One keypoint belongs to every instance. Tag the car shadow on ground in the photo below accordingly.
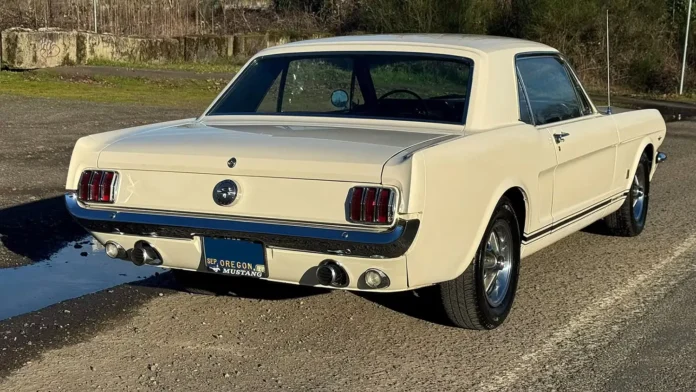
(39, 229)
(598, 228)
(219, 285)
(423, 304)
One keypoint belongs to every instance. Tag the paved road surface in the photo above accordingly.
(593, 312)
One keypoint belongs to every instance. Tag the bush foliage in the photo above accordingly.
(646, 36)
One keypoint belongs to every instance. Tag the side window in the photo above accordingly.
(551, 91)
(525, 114)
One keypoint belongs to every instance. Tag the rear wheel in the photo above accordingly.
(481, 298)
(629, 220)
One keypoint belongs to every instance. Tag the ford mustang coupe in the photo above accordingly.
(374, 163)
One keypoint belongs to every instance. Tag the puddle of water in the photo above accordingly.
(79, 268)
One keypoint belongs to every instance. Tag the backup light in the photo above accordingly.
(376, 279)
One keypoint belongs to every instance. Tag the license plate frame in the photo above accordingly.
(234, 257)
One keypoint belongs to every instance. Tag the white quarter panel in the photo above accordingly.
(464, 180)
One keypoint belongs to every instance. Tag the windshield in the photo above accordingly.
(382, 86)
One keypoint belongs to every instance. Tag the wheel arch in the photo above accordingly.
(517, 194)
(520, 204)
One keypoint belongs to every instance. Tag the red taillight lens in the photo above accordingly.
(94, 186)
(371, 205)
(84, 185)
(106, 187)
(384, 201)
(97, 186)
(356, 204)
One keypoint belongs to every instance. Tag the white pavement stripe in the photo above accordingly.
(592, 324)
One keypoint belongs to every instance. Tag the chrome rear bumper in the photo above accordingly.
(348, 241)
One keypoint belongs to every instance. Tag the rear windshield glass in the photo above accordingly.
(380, 86)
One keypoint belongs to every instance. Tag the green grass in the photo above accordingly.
(199, 68)
(175, 93)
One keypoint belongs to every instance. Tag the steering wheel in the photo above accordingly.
(409, 92)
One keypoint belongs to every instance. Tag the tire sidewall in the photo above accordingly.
(638, 225)
(494, 316)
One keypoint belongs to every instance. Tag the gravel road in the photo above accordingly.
(593, 312)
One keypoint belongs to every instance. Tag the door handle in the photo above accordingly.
(560, 137)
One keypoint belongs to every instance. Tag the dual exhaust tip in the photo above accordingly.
(142, 253)
(330, 273)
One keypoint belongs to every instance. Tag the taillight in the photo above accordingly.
(371, 205)
(98, 186)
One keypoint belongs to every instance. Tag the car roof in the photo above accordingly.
(479, 43)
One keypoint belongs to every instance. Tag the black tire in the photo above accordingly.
(464, 298)
(198, 282)
(624, 222)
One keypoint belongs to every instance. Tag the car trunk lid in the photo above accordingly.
(335, 153)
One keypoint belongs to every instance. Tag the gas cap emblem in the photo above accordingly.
(232, 162)
(225, 193)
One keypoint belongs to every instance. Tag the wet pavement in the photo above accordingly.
(79, 268)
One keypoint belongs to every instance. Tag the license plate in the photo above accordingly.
(235, 257)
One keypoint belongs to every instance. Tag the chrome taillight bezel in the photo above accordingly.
(392, 201)
(101, 176)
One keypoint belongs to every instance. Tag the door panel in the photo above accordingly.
(586, 164)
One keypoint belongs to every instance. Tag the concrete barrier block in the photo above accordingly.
(91, 46)
(206, 49)
(27, 49)
(247, 45)
(161, 50)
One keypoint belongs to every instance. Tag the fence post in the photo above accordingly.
(94, 3)
(686, 46)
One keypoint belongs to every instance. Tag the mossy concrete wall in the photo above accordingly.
(91, 46)
(29, 49)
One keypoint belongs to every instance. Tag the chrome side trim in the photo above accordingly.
(531, 237)
(390, 243)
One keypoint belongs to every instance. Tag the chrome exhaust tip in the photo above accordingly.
(115, 250)
(144, 253)
(329, 273)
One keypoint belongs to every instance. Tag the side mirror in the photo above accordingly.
(339, 99)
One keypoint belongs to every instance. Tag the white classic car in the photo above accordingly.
(374, 163)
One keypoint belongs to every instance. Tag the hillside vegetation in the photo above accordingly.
(646, 35)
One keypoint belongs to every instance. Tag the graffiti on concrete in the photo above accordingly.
(48, 48)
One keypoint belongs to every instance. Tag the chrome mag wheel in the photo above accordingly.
(497, 263)
(638, 193)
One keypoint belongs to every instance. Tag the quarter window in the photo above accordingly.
(552, 92)
(525, 115)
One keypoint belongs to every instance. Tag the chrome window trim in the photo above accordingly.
(559, 56)
(520, 84)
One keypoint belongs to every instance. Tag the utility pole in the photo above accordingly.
(608, 70)
(94, 3)
(686, 46)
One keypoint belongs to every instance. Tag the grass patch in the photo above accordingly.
(199, 68)
(175, 93)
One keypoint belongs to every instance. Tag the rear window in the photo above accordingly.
(365, 85)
